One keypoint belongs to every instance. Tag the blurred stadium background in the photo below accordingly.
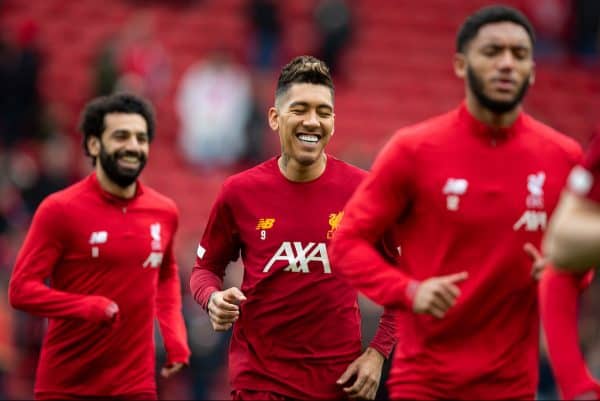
(394, 68)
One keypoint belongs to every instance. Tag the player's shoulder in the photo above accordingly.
(253, 177)
(58, 204)
(344, 169)
(551, 138)
(68, 194)
(159, 200)
(427, 129)
(409, 139)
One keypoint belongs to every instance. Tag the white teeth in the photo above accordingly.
(309, 138)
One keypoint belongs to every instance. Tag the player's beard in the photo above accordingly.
(123, 177)
(495, 106)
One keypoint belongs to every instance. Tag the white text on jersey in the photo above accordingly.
(299, 256)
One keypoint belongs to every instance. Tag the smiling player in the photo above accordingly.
(296, 325)
(106, 246)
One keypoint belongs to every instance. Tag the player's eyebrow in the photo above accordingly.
(305, 104)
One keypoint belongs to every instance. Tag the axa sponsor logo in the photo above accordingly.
(154, 260)
(297, 256)
(454, 189)
(532, 220)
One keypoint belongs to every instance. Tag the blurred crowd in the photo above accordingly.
(220, 102)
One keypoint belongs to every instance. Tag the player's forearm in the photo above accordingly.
(359, 261)
(571, 242)
(559, 293)
(170, 316)
(385, 337)
(35, 297)
(203, 283)
(573, 245)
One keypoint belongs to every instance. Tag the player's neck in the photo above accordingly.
(294, 171)
(109, 186)
(490, 118)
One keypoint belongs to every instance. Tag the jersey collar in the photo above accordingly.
(485, 131)
(93, 182)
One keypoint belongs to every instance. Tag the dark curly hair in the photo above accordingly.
(92, 117)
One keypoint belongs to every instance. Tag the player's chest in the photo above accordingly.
(118, 237)
(301, 220)
(483, 194)
(292, 237)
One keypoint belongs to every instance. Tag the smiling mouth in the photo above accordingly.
(308, 138)
(129, 161)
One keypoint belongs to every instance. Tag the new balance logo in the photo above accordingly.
(453, 189)
(98, 237)
(455, 186)
(297, 257)
(265, 224)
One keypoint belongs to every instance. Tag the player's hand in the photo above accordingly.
(366, 370)
(539, 262)
(223, 308)
(436, 295)
(112, 311)
(101, 310)
(169, 370)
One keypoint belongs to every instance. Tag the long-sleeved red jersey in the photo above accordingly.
(559, 296)
(96, 248)
(299, 328)
(466, 198)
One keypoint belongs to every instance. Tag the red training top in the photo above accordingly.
(466, 197)
(299, 328)
(97, 248)
(559, 294)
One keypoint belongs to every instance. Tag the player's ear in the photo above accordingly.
(532, 75)
(273, 122)
(93, 145)
(460, 65)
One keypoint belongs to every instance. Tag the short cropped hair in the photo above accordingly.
(92, 117)
(304, 70)
(490, 15)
